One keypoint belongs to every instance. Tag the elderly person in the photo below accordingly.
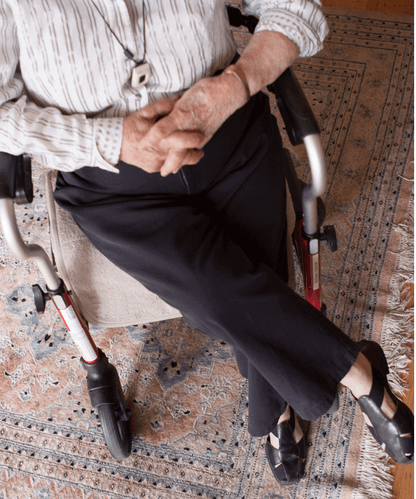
(171, 163)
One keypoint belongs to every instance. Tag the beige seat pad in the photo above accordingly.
(105, 294)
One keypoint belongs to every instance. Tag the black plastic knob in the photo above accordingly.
(40, 298)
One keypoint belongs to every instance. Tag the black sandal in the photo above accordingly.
(396, 435)
(286, 457)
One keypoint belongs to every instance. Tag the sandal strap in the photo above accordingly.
(374, 353)
(286, 427)
(377, 388)
(292, 420)
(288, 460)
(408, 447)
(286, 470)
(404, 420)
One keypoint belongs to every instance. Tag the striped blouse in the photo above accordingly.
(65, 106)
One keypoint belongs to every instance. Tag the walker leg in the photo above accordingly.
(103, 381)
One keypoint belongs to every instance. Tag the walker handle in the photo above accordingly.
(16, 178)
(293, 105)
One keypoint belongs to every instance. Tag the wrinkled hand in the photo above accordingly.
(177, 139)
(188, 124)
(137, 125)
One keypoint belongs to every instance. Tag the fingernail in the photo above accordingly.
(164, 174)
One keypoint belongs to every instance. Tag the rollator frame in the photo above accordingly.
(102, 378)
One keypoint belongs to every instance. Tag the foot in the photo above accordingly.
(286, 449)
(390, 421)
(361, 383)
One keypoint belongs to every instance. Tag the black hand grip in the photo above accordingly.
(23, 193)
(238, 19)
(16, 178)
(294, 107)
(8, 165)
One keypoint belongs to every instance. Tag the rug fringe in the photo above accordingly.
(375, 478)
(374, 468)
(399, 322)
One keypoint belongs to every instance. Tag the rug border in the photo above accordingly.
(380, 486)
(382, 16)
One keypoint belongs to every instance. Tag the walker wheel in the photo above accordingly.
(40, 298)
(107, 397)
(116, 429)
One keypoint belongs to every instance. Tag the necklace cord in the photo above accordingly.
(127, 52)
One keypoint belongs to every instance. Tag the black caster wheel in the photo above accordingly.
(117, 432)
(40, 298)
(107, 397)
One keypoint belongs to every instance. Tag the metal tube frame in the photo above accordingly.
(57, 292)
(25, 251)
(318, 184)
(307, 235)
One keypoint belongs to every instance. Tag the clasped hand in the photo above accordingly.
(164, 136)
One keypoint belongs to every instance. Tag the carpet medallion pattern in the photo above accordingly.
(188, 400)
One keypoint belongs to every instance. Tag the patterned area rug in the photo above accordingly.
(188, 400)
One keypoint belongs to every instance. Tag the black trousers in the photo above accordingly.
(210, 241)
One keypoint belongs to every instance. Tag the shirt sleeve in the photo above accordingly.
(302, 21)
(58, 141)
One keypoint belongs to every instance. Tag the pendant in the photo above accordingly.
(140, 75)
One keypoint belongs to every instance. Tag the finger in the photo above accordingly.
(182, 158)
(174, 162)
(150, 164)
(163, 140)
(183, 139)
(159, 108)
(193, 156)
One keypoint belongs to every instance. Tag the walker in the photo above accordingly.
(102, 378)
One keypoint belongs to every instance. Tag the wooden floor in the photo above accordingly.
(404, 474)
(392, 6)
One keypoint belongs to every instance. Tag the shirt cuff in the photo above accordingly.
(108, 135)
(307, 36)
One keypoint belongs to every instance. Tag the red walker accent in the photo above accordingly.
(311, 267)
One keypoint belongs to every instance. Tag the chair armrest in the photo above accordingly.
(16, 178)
